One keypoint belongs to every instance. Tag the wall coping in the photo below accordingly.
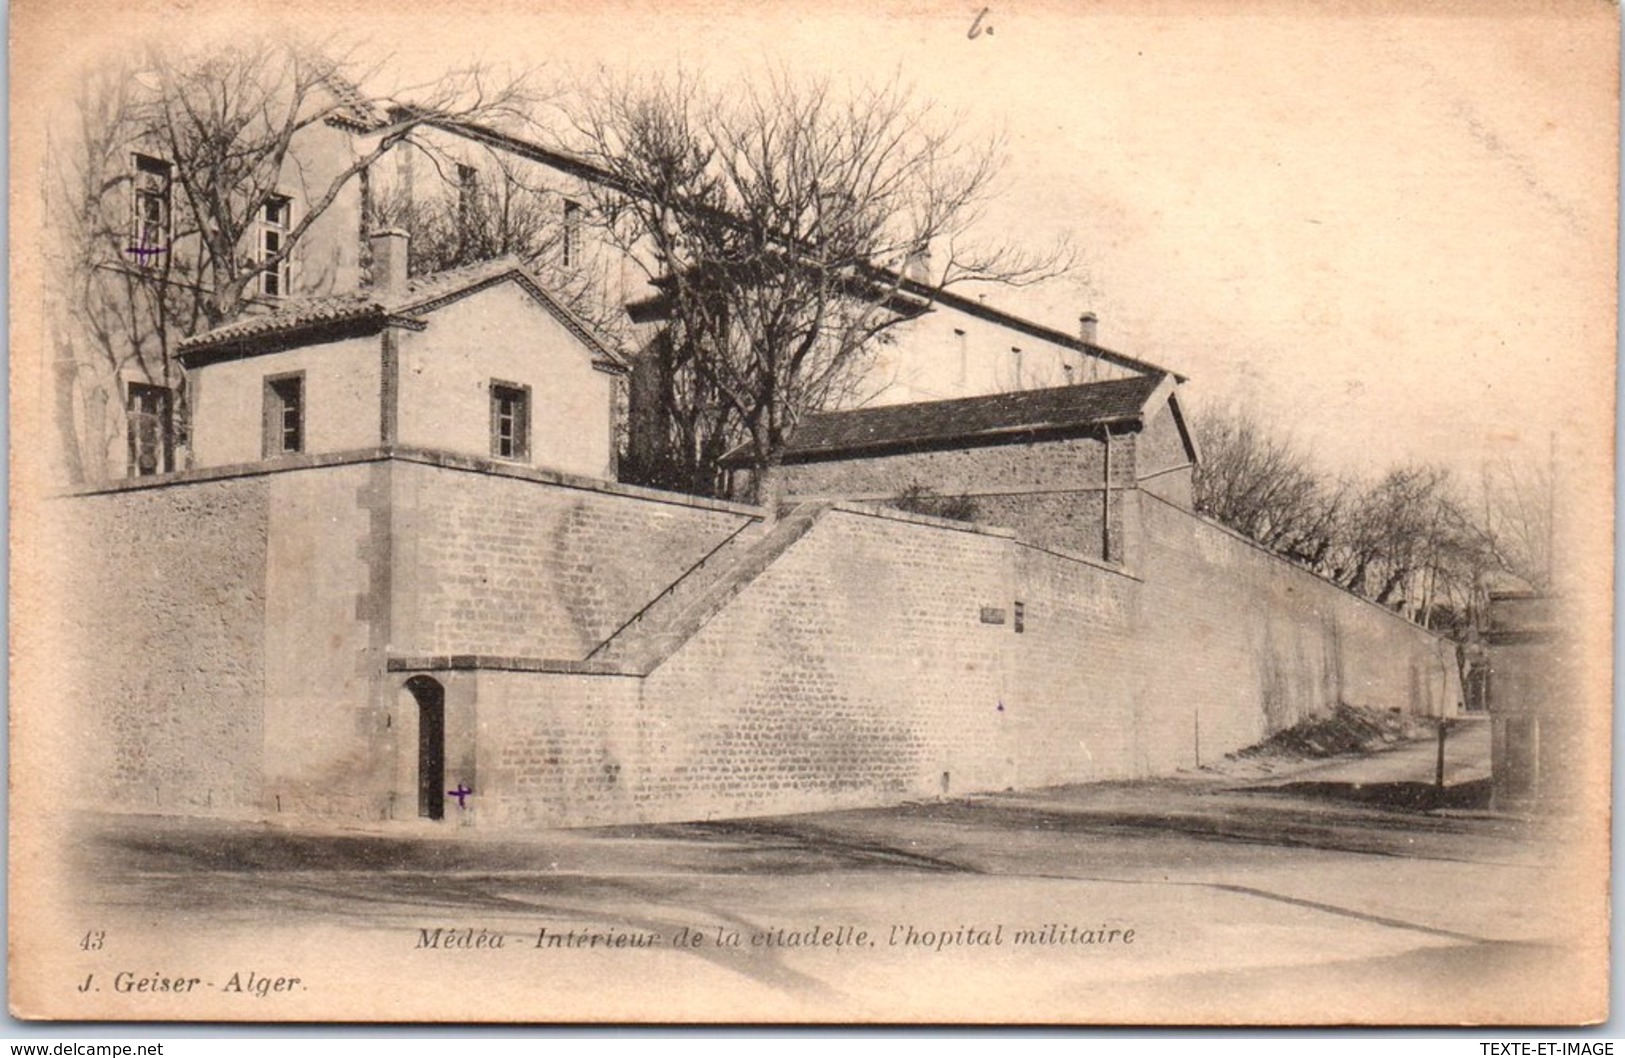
(1080, 558)
(952, 493)
(915, 518)
(409, 454)
(996, 532)
(1209, 523)
(507, 663)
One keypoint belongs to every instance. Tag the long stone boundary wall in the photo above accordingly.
(242, 643)
(879, 660)
(1252, 643)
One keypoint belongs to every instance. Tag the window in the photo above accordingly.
(273, 240)
(1021, 617)
(146, 411)
(510, 421)
(284, 414)
(149, 227)
(570, 245)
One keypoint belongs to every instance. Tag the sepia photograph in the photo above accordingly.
(1089, 513)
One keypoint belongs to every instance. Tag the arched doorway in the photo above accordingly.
(431, 770)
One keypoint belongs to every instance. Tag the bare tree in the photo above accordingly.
(468, 216)
(1410, 544)
(1406, 540)
(781, 221)
(1261, 484)
(156, 194)
(1518, 513)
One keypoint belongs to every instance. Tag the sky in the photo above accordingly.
(1386, 226)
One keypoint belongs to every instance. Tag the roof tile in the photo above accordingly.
(1026, 411)
(420, 294)
(353, 108)
(295, 314)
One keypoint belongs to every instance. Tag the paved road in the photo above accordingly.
(1467, 759)
(1245, 905)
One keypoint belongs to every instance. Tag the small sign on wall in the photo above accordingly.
(993, 615)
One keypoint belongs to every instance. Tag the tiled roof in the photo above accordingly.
(354, 108)
(968, 418)
(292, 315)
(422, 290)
(421, 294)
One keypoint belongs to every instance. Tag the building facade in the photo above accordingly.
(1535, 735)
(124, 401)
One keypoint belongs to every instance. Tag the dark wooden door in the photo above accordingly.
(431, 698)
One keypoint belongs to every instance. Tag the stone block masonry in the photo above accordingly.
(161, 643)
(1048, 490)
(1250, 644)
(246, 640)
(230, 628)
(879, 660)
(494, 565)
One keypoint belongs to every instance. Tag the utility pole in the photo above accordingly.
(1438, 771)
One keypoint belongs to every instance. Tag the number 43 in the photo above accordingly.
(93, 940)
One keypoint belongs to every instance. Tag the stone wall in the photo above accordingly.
(880, 659)
(1048, 490)
(227, 632)
(161, 643)
(558, 749)
(1080, 672)
(234, 641)
(855, 670)
(326, 631)
(487, 564)
(1250, 644)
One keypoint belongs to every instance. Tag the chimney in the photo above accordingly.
(918, 265)
(389, 260)
(1086, 327)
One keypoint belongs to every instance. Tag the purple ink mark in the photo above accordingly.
(1001, 707)
(144, 253)
(462, 793)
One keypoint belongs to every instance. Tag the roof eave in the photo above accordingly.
(936, 296)
(238, 347)
(1038, 430)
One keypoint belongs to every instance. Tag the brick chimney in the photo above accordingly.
(389, 247)
(1086, 327)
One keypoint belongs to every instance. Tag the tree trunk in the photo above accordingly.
(72, 462)
(770, 487)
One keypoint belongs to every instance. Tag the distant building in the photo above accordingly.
(1535, 728)
(126, 410)
(1052, 464)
